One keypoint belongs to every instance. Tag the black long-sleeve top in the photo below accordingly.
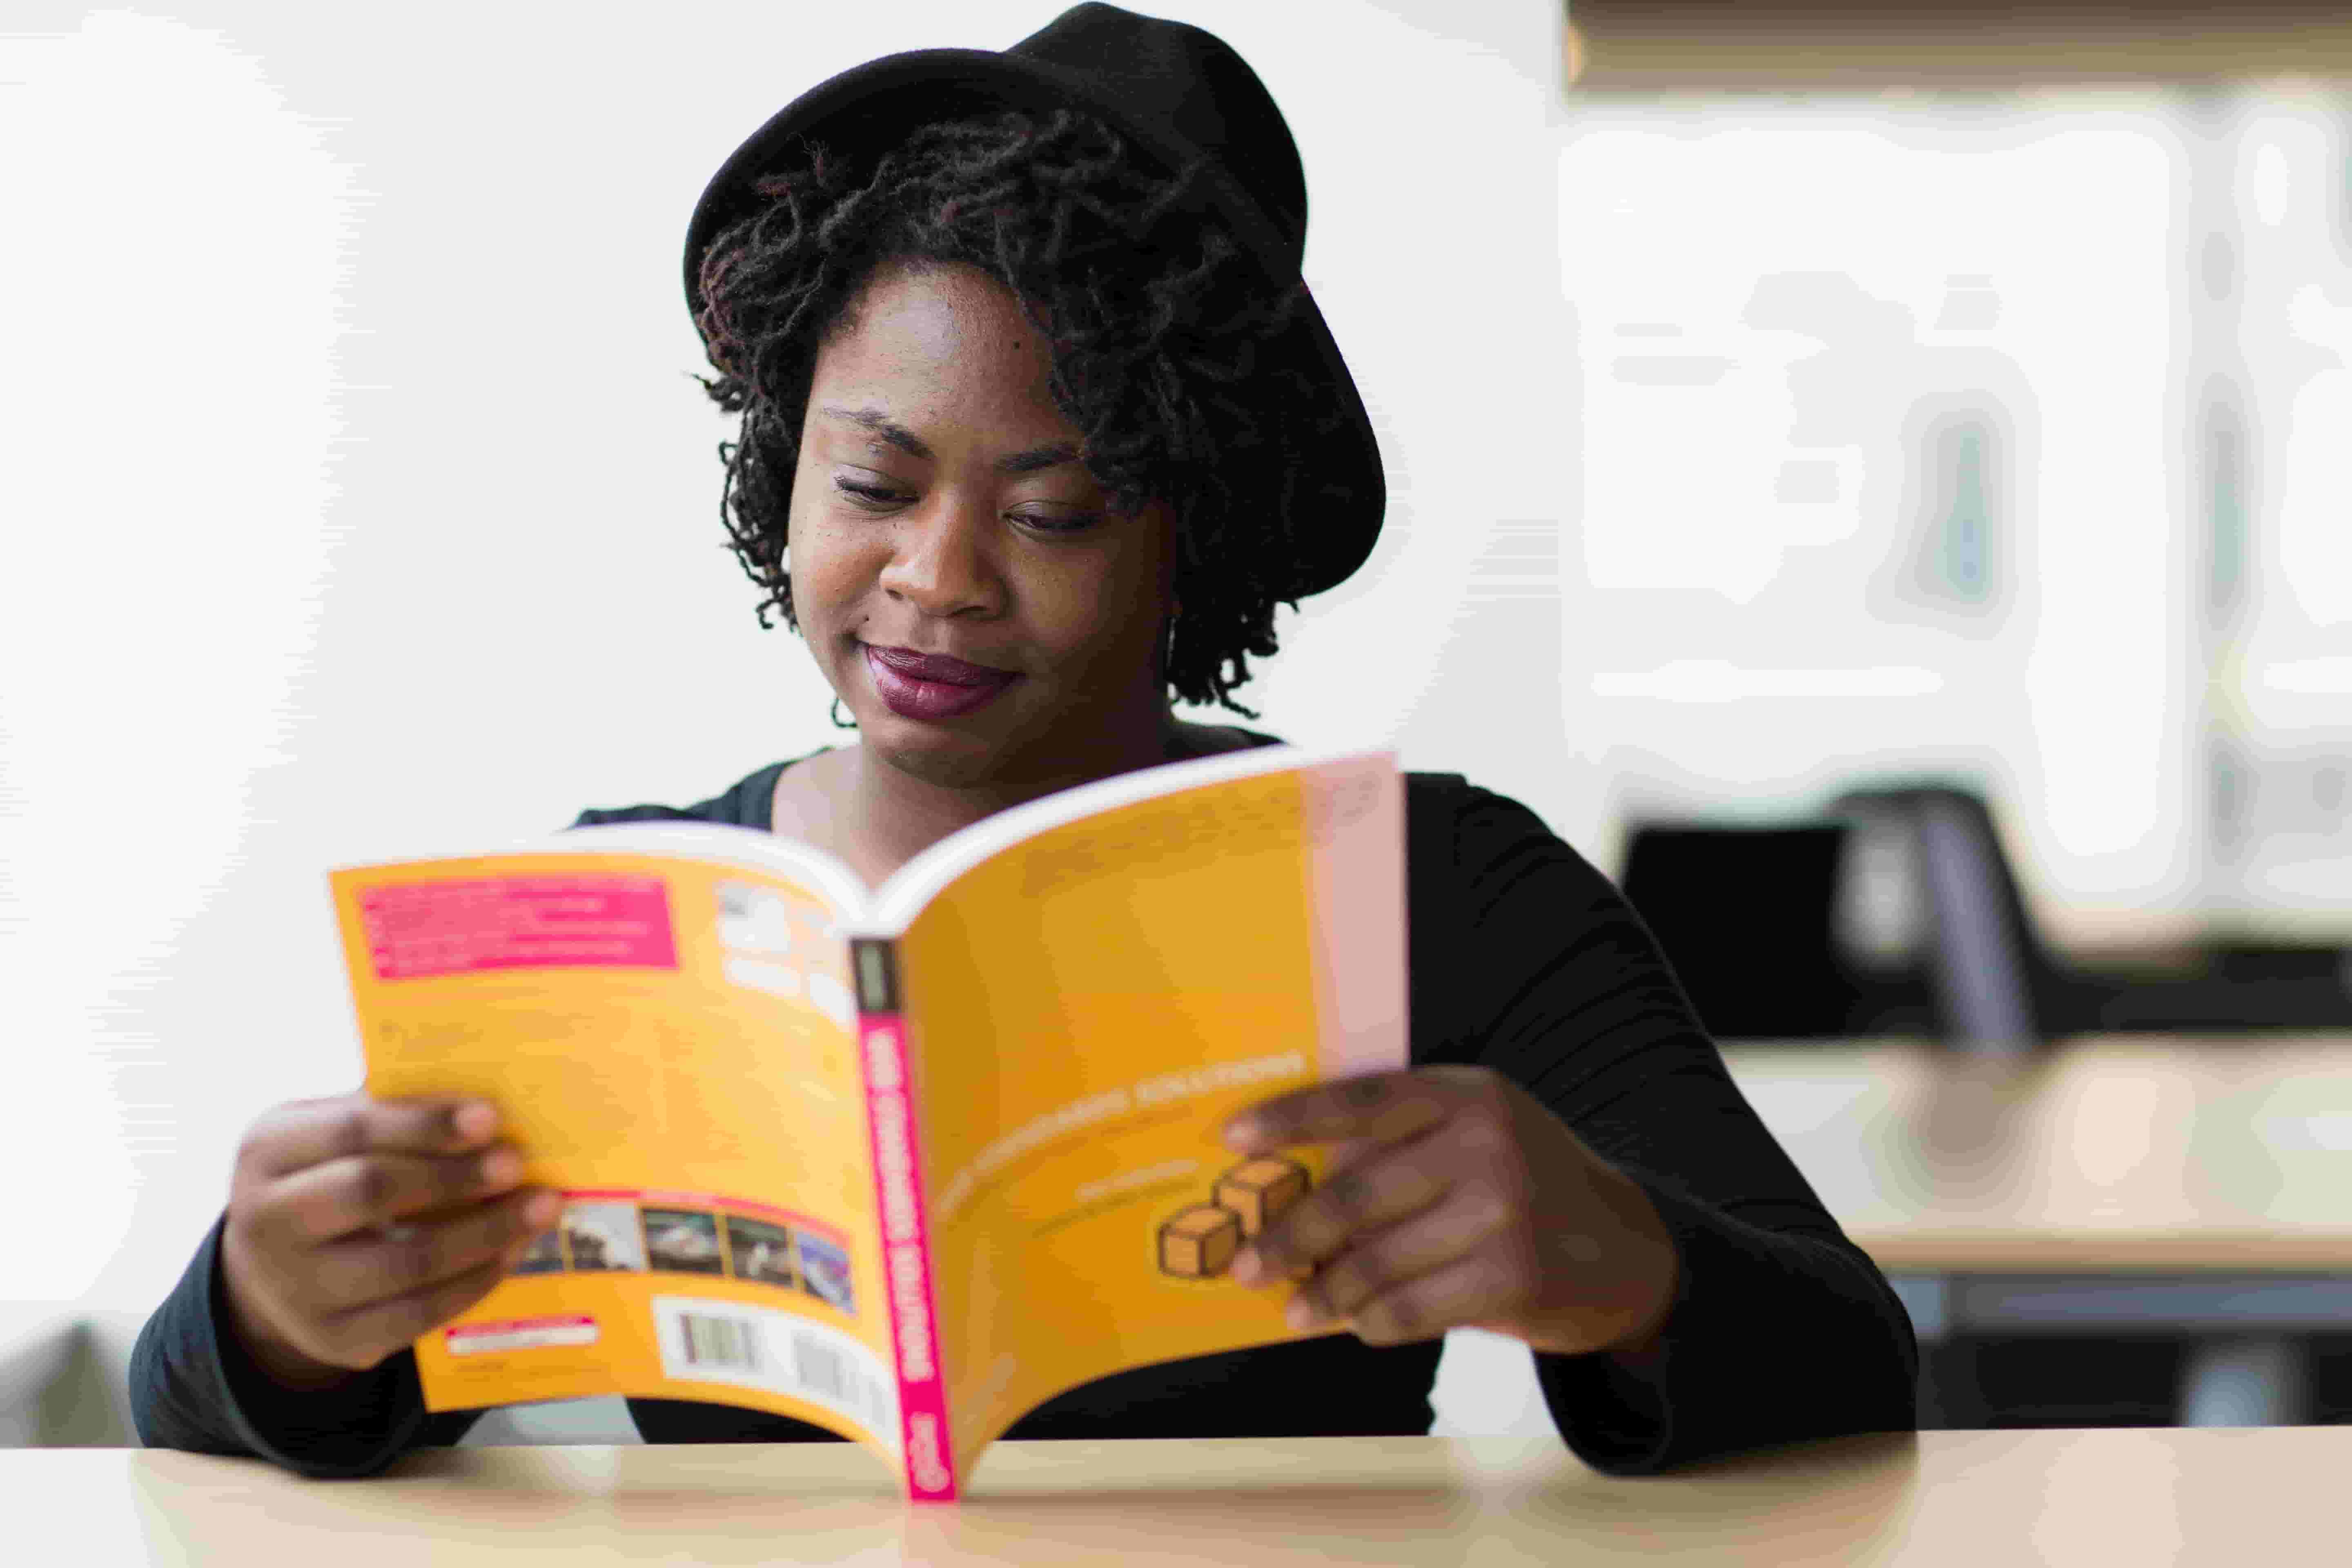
(1523, 958)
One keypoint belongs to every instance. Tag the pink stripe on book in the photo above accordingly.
(930, 1460)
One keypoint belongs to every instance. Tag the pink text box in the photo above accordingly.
(421, 929)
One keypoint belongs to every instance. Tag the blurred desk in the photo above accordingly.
(2123, 1182)
(2181, 939)
(1944, 1498)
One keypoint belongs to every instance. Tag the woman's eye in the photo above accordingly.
(1056, 522)
(882, 498)
(871, 497)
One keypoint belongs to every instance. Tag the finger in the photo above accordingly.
(352, 1274)
(1373, 1192)
(1382, 1106)
(1386, 1258)
(357, 1191)
(1463, 1294)
(365, 1335)
(312, 1131)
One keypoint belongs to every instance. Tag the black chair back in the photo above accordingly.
(1746, 916)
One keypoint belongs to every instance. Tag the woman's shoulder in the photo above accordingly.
(1448, 816)
(1467, 846)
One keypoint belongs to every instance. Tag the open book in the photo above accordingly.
(906, 1163)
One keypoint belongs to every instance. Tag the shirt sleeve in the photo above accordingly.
(1526, 959)
(193, 1387)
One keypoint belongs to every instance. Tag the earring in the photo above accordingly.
(839, 722)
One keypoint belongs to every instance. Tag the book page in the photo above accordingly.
(1087, 1008)
(911, 887)
(671, 1043)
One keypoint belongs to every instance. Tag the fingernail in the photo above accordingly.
(1247, 1266)
(1301, 1313)
(540, 1212)
(477, 1118)
(502, 1168)
(1239, 1135)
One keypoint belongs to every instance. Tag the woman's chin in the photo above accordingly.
(944, 766)
(949, 755)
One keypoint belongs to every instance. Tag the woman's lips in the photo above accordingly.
(937, 666)
(931, 685)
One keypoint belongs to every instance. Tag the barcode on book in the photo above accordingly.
(823, 1370)
(757, 1347)
(719, 1342)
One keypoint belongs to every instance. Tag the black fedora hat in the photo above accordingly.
(1181, 95)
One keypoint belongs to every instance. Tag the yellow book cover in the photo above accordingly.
(906, 1162)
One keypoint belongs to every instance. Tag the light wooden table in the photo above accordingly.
(2131, 935)
(1965, 1498)
(2202, 1186)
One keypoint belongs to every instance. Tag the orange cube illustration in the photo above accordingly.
(1260, 1190)
(1199, 1242)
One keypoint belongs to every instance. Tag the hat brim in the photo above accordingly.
(868, 109)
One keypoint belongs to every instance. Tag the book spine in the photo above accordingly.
(925, 1448)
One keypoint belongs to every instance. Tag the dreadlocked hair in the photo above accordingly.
(1152, 315)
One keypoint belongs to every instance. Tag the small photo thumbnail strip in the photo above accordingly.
(606, 1231)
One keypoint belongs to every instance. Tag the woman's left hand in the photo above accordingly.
(1456, 1200)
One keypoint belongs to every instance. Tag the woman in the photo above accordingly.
(1039, 426)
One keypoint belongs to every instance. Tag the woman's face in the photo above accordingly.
(957, 573)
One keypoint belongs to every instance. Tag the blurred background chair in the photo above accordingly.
(1994, 977)
(1895, 911)
(1991, 984)
(1892, 913)
(1746, 916)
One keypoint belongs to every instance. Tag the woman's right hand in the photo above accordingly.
(357, 1225)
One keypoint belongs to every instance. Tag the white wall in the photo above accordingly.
(2281, 619)
(1787, 315)
(358, 502)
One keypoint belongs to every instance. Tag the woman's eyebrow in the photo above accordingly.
(906, 441)
(1038, 458)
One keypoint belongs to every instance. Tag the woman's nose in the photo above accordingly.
(942, 563)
